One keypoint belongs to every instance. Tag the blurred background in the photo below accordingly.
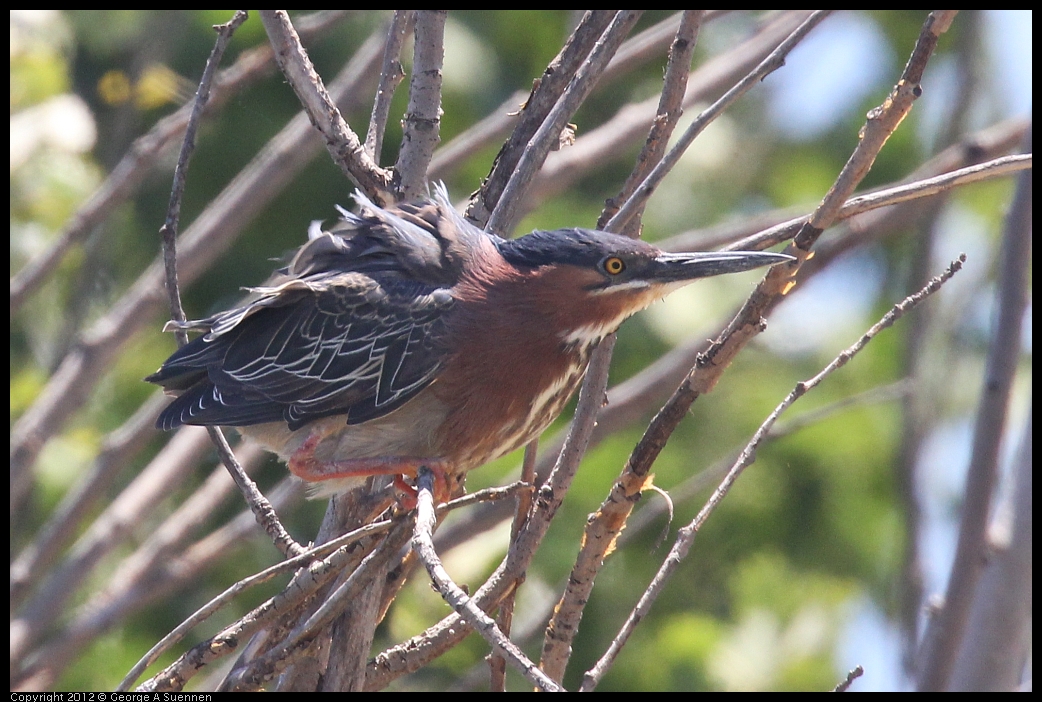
(823, 556)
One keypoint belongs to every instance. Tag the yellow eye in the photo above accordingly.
(613, 265)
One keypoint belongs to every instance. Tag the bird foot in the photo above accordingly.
(408, 493)
(306, 466)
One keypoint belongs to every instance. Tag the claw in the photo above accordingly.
(442, 491)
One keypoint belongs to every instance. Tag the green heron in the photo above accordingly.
(406, 337)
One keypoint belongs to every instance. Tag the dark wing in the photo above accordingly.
(347, 343)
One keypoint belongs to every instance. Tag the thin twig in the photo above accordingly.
(713, 473)
(601, 145)
(686, 535)
(545, 94)
(170, 227)
(505, 616)
(773, 62)
(159, 568)
(920, 412)
(259, 504)
(887, 197)
(996, 656)
(391, 74)
(204, 612)
(508, 208)
(667, 115)
(882, 122)
(103, 536)
(37, 558)
(853, 675)
(634, 52)
(326, 560)
(262, 509)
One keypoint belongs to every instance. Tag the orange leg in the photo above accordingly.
(306, 466)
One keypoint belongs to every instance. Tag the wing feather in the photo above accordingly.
(350, 344)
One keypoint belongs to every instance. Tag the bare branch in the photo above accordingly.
(945, 631)
(343, 145)
(262, 509)
(882, 122)
(1001, 621)
(168, 231)
(317, 552)
(423, 544)
(507, 211)
(886, 197)
(40, 557)
(505, 617)
(325, 561)
(422, 122)
(602, 145)
(264, 667)
(772, 63)
(633, 53)
(674, 86)
(545, 94)
(853, 675)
